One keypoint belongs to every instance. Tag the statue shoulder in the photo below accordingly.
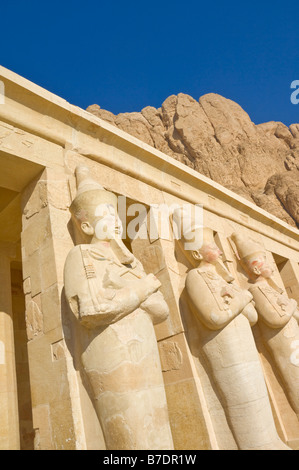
(253, 288)
(82, 251)
(208, 276)
(73, 272)
(265, 291)
(75, 261)
(192, 273)
(74, 255)
(196, 276)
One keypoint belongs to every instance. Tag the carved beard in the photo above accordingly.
(274, 285)
(123, 254)
(223, 271)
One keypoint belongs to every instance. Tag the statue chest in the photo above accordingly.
(98, 265)
(222, 291)
(280, 302)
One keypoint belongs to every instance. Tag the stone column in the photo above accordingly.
(9, 421)
(45, 243)
(190, 423)
(289, 273)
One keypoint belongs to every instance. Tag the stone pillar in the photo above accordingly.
(188, 413)
(286, 421)
(45, 240)
(289, 272)
(9, 421)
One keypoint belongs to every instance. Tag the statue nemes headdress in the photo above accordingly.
(90, 194)
(247, 248)
(198, 236)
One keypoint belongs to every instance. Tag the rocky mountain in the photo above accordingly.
(216, 137)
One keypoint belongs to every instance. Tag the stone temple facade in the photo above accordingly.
(135, 343)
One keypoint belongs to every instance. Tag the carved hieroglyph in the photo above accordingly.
(277, 315)
(224, 314)
(117, 303)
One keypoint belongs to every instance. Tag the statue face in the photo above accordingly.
(107, 224)
(260, 266)
(211, 253)
(208, 252)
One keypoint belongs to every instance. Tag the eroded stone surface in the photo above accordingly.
(216, 137)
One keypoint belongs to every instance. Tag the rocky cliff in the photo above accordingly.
(216, 137)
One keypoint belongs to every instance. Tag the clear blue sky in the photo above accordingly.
(125, 55)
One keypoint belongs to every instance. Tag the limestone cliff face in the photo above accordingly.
(216, 137)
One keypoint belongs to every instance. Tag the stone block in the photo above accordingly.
(51, 309)
(48, 265)
(34, 317)
(34, 268)
(187, 423)
(36, 233)
(42, 426)
(57, 189)
(62, 425)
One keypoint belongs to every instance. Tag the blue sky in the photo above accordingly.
(125, 55)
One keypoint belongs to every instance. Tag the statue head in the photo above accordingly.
(197, 241)
(94, 210)
(207, 250)
(252, 257)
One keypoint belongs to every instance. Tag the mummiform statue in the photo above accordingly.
(116, 304)
(278, 315)
(224, 316)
